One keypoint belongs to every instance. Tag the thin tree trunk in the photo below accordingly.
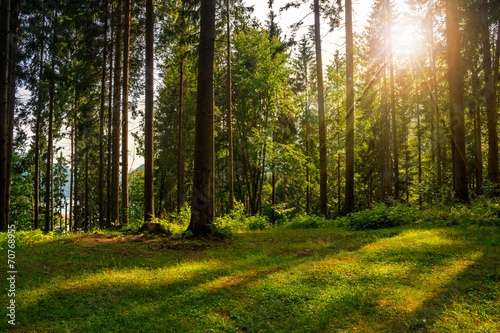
(37, 140)
(115, 167)
(321, 114)
(230, 115)
(12, 98)
(386, 174)
(496, 62)
(50, 148)
(148, 118)
(86, 216)
(456, 86)
(393, 107)
(339, 179)
(479, 154)
(434, 94)
(419, 135)
(407, 167)
(202, 205)
(101, 121)
(491, 98)
(4, 101)
(349, 181)
(109, 200)
(126, 51)
(77, 206)
(180, 140)
(72, 170)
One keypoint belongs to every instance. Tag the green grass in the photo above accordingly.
(407, 279)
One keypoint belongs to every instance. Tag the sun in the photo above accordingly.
(407, 38)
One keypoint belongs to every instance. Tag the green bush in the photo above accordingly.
(24, 238)
(304, 221)
(257, 222)
(382, 216)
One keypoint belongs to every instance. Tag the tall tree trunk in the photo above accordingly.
(230, 114)
(496, 62)
(148, 118)
(349, 180)
(4, 101)
(72, 169)
(126, 51)
(395, 149)
(456, 86)
(115, 167)
(321, 114)
(434, 95)
(407, 168)
(101, 121)
(491, 97)
(109, 200)
(180, 140)
(50, 148)
(14, 20)
(386, 173)
(479, 154)
(76, 223)
(202, 214)
(86, 215)
(339, 179)
(37, 140)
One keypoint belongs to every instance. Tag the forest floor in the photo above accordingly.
(425, 278)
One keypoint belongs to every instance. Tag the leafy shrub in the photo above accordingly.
(304, 221)
(382, 216)
(257, 222)
(26, 238)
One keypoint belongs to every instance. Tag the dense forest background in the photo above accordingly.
(407, 114)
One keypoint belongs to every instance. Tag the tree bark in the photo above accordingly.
(126, 56)
(72, 170)
(434, 95)
(180, 140)
(479, 154)
(4, 99)
(321, 114)
(37, 140)
(109, 200)
(14, 21)
(76, 223)
(395, 149)
(101, 121)
(456, 88)
(349, 181)
(230, 115)
(148, 118)
(115, 167)
(202, 214)
(491, 98)
(50, 149)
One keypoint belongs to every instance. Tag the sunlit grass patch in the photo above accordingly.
(279, 280)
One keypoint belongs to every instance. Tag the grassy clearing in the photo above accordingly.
(405, 279)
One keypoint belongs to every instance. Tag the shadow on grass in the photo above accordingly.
(317, 281)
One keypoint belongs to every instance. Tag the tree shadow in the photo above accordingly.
(147, 305)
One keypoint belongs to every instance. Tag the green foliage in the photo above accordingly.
(26, 238)
(237, 220)
(136, 196)
(482, 212)
(257, 222)
(381, 216)
(303, 221)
